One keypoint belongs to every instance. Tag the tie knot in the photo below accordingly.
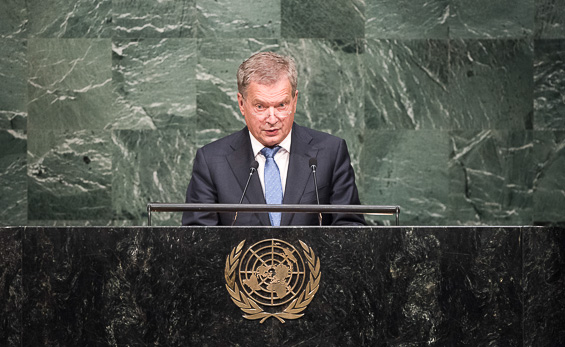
(269, 152)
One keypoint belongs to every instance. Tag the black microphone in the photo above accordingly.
(252, 170)
(313, 164)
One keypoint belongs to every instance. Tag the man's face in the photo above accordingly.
(269, 110)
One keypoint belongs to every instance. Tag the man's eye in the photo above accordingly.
(282, 105)
(259, 107)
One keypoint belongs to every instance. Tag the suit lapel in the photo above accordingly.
(298, 169)
(240, 160)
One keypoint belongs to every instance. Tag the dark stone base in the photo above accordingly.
(379, 286)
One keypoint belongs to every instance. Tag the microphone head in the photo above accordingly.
(313, 162)
(254, 165)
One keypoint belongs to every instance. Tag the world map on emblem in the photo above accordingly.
(272, 272)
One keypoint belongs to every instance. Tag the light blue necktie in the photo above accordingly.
(273, 186)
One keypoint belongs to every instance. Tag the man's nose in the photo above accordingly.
(271, 114)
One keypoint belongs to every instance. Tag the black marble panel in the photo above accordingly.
(544, 287)
(379, 286)
(11, 290)
(549, 84)
(330, 19)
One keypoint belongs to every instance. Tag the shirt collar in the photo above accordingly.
(257, 146)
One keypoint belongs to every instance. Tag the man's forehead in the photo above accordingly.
(277, 90)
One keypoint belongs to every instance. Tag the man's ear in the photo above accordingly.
(240, 101)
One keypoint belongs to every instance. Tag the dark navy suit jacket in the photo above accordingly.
(221, 170)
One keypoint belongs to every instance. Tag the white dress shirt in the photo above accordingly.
(281, 158)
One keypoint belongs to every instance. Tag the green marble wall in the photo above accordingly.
(454, 110)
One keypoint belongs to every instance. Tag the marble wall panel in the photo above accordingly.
(64, 18)
(13, 19)
(151, 166)
(329, 81)
(218, 60)
(491, 174)
(69, 175)
(11, 289)
(157, 19)
(406, 168)
(330, 19)
(364, 67)
(549, 19)
(549, 190)
(549, 84)
(240, 19)
(13, 99)
(486, 19)
(407, 19)
(69, 85)
(544, 287)
(491, 84)
(13, 167)
(406, 84)
(155, 83)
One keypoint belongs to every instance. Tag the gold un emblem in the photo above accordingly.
(271, 275)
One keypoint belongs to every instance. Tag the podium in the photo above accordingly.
(86, 286)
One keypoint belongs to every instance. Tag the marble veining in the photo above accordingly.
(549, 76)
(154, 80)
(500, 192)
(331, 19)
(69, 19)
(550, 19)
(241, 19)
(13, 167)
(166, 158)
(154, 19)
(70, 84)
(491, 19)
(407, 19)
(13, 104)
(549, 194)
(70, 178)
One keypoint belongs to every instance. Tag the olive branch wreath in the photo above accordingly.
(252, 309)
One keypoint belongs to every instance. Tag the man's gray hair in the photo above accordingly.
(266, 68)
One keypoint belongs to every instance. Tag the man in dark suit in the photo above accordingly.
(267, 99)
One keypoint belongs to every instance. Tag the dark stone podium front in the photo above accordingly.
(399, 286)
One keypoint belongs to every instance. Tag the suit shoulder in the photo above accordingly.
(225, 143)
(320, 136)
